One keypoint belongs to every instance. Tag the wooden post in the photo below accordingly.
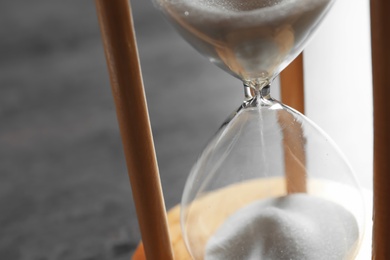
(292, 93)
(127, 88)
(292, 85)
(380, 35)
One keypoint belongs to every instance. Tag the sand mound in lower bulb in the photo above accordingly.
(293, 227)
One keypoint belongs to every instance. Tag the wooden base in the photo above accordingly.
(219, 205)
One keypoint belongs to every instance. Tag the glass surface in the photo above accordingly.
(256, 160)
(253, 39)
(270, 184)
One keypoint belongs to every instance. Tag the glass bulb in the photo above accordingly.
(269, 162)
(250, 39)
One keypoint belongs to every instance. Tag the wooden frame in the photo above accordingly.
(380, 34)
(120, 47)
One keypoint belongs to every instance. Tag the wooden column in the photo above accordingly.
(127, 88)
(292, 93)
(292, 85)
(380, 33)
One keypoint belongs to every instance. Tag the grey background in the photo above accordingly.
(64, 190)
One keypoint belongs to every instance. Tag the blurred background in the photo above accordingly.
(64, 190)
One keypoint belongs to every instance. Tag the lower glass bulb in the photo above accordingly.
(271, 185)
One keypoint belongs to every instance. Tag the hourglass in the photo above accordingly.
(270, 184)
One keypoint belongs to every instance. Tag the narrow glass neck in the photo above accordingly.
(251, 91)
(257, 97)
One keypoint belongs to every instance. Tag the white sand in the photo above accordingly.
(293, 227)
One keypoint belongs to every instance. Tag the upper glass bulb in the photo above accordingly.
(251, 39)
